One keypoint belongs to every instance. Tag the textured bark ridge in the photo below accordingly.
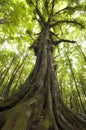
(39, 104)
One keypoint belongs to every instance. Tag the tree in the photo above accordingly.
(39, 105)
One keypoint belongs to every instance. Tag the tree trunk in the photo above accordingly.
(39, 104)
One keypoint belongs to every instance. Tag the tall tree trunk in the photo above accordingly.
(39, 104)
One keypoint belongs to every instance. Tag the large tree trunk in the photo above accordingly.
(39, 104)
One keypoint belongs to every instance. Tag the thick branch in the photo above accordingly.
(67, 21)
(40, 16)
(63, 40)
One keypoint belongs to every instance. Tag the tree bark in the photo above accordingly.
(39, 104)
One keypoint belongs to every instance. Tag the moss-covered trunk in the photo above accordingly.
(39, 104)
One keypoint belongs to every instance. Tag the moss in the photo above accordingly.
(18, 116)
(22, 120)
(45, 124)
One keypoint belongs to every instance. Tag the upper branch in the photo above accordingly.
(66, 21)
(41, 17)
(52, 8)
(39, 14)
(63, 40)
(46, 5)
(66, 8)
(53, 3)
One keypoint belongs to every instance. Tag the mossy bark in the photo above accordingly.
(39, 104)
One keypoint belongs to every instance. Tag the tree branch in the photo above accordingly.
(29, 33)
(66, 8)
(46, 5)
(67, 21)
(52, 8)
(56, 35)
(40, 16)
(63, 40)
(53, 3)
(38, 20)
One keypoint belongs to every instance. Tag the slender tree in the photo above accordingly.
(38, 105)
(76, 84)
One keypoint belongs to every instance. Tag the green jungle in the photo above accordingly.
(42, 64)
